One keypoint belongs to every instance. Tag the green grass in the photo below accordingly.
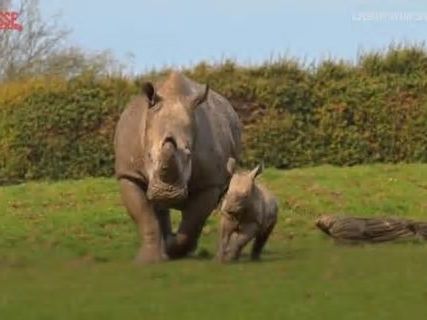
(66, 252)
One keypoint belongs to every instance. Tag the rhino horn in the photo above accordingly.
(169, 171)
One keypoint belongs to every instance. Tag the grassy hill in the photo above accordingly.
(66, 252)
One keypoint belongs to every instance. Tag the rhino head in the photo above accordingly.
(240, 189)
(168, 136)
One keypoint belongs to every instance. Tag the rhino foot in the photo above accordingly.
(147, 256)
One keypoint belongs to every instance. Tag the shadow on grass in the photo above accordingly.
(266, 257)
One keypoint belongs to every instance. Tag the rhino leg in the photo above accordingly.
(163, 215)
(245, 234)
(226, 229)
(193, 219)
(261, 240)
(146, 219)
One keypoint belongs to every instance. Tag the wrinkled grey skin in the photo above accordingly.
(248, 211)
(172, 144)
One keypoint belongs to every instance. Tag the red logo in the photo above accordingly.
(8, 21)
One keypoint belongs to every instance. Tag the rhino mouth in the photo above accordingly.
(166, 193)
(232, 208)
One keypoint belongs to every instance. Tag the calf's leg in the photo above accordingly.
(227, 227)
(245, 234)
(261, 240)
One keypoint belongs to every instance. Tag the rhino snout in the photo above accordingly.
(231, 207)
(159, 191)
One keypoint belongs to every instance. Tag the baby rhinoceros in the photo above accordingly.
(248, 211)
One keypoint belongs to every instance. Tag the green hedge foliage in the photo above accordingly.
(295, 115)
(55, 129)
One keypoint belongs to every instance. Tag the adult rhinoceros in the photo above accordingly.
(172, 144)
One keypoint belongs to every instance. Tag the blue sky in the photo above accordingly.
(184, 32)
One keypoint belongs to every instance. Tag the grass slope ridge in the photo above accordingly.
(66, 250)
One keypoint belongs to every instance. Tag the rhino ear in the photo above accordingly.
(150, 93)
(199, 98)
(257, 171)
(231, 165)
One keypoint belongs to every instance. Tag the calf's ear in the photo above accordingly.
(231, 165)
(257, 170)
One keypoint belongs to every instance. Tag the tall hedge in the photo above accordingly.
(295, 115)
(52, 128)
(374, 111)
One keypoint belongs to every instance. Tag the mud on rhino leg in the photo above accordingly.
(193, 219)
(143, 214)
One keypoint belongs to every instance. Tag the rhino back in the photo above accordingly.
(218, 134)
